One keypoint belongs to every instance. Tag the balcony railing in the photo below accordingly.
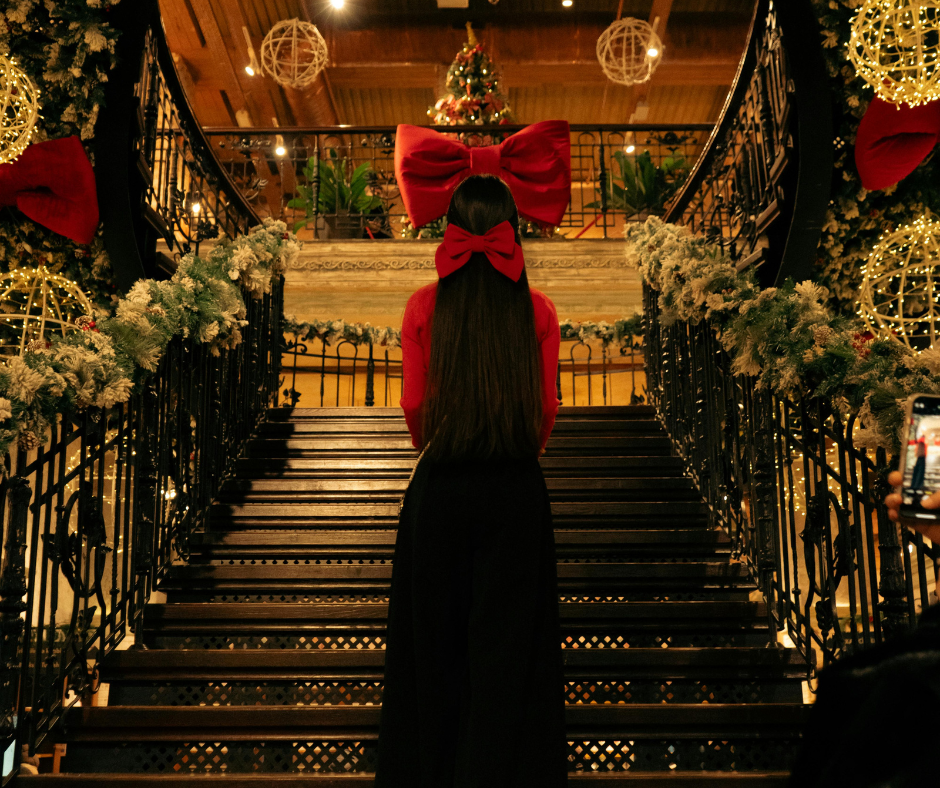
(319, 373)
(619, 173)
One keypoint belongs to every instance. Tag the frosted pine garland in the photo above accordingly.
(100, 365)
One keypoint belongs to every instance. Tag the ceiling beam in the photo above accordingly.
(350, 76)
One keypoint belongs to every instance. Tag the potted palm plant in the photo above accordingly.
(343, 199)
(641, 187)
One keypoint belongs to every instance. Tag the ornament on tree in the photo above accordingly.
(898, 297)
(894, 47)
(36, 304)
(19, 110)
(293, 53)
(629, 51)
(473, 92)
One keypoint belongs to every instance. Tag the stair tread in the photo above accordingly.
(664, 663)
(634, 778)
(239, 723)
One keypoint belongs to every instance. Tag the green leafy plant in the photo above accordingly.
(338, 194)
(639, 185)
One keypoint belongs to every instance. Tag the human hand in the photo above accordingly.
(893, 502)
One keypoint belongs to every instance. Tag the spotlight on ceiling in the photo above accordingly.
(252, 68)
(337, 3)
(249, 71)
(652, 51)
(567, 3)
(280, 150)
(631, 148)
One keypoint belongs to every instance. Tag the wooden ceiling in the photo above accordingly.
(389, 59)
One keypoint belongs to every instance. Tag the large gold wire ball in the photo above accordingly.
(19, 110)
(894, 47)
(898, 298)
(293, 53)
(36, 305)
(629, 51)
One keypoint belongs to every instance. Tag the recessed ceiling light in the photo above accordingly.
(567, 3)
(337, 3)
(249, 71)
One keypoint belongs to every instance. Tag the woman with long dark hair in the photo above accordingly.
(474, 689)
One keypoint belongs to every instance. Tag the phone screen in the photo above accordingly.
(922, 461)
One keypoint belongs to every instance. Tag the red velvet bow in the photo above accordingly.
(54, 185)
(535, 163)
(498, 244)
(893, 140)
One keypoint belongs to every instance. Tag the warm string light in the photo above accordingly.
(629, 51)
(294, 53)
(894, 46)
(898, 298)
(19, 110)
(36, 303)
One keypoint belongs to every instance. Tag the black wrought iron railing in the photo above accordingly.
(761, 186)
(803, 503)
(320, 373)
(161, 190)
(94, 517)
(619, 173)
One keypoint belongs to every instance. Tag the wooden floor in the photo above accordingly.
(264, 664)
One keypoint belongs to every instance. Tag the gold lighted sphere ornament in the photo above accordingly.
(894, 46)
(293, 53)
(35, 305)
(629, 51)
(899, 297)
(19, 110)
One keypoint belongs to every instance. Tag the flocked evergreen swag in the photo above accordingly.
(788, 338)
(99, 365)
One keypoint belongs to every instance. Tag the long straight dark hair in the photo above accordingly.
(483, 398)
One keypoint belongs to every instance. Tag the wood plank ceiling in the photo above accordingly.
(388, 59)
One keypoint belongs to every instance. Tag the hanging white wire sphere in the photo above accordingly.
(293, 53)
(19, 110)
(899, 297)
(894, 47)
(36, 304)
(629, 51)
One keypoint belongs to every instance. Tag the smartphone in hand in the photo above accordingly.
(920, 456)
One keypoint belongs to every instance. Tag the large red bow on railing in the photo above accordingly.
(498, 244)
(535, 163)
(893, 140)
(54, 185)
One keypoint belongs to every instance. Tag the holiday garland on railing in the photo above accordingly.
(99, 365)
(787, 337)
(330, 332)
(66, 47)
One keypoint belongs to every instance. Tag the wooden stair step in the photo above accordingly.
(279, 723)
(606, 576)
(299, 617)
(632, 779)
(396, 426)
(565, 412)
(138, 665)
(663, 543)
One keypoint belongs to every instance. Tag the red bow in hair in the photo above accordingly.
(498, 244)
(54, 185)
(535, 163)
(893, 140)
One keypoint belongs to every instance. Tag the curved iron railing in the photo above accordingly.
(762, 184)
(802, 502)
(161, 189)
(91, 519)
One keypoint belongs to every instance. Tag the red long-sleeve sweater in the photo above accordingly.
(416, 355)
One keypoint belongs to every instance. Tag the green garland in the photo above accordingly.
(99, 365)
(787, 337)
(66, 47)
(621, 333)
(857, 218)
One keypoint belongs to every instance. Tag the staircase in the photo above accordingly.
(263, 666)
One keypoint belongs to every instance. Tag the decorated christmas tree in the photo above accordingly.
(473, 94)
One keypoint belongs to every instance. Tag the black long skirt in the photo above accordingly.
(474, 688)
